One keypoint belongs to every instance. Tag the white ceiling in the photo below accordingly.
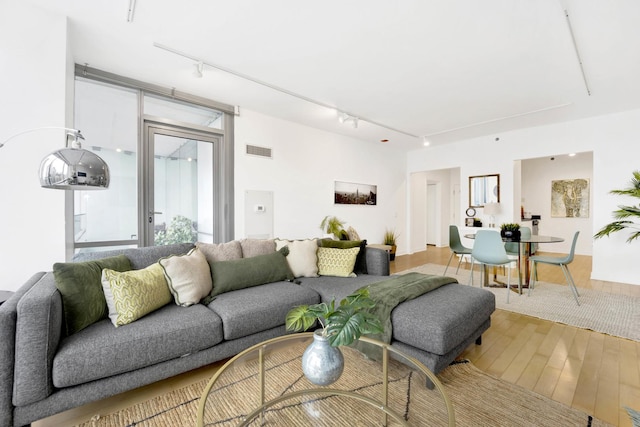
(444, 69)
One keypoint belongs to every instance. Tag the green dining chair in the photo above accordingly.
(488, 249)
(563, 262)
(456, 246)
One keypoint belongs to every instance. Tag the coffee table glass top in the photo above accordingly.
(264, 386)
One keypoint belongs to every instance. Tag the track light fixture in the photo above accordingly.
(199, 69)
(345, 118)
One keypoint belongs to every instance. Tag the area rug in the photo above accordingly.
(617, 315)
(478, 400)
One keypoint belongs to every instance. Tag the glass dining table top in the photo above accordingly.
(533, 239)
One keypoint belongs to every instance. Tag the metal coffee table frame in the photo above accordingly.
(381, 405)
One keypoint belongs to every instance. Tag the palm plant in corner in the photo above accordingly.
(624, 214)
(322, 361)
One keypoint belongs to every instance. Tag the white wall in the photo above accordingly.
(306, 163)
(35, 91)
(613, 139)
(537, 175)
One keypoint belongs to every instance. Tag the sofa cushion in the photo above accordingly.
(220, 251)
(140, 257)
(80, 286)
(438, 320)
(337, 262)
(247, 272)
(133, 294)
(303, 256)
(361, 261)
(101, 350)
(255, 247)
(331, 287)
(188, 277)
(247, 311)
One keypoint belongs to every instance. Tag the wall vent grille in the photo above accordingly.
(254, 150)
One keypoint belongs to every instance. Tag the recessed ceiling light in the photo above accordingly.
(572, 154)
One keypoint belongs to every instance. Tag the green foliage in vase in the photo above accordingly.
(390, 237)
(625, 213)
(343, 324)
(510, 226)
(179, 231)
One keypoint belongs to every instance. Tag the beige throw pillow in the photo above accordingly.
(133, 294)
(188, 277)
(214, 252)
(302, 258)
(337, 262)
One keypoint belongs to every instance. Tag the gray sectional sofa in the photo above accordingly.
(44, 371)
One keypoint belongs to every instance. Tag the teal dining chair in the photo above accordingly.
(562, 262)
(488, 249)
(456, 246)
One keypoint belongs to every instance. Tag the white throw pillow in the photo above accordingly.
(188, 277)
(302, 258)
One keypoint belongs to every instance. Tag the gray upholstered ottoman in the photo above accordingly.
(437, 326)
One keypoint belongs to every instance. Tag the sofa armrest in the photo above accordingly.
(8, 319)
(38, 333)
(377, 262)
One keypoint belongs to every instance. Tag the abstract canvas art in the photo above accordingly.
(570, 198)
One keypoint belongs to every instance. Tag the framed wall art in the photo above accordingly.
(570, 198)
(348, 193)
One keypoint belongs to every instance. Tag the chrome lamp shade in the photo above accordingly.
(74, 169)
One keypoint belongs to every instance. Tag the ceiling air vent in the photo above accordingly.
(254, 150)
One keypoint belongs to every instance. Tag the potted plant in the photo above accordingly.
(322, 361)
(510, 230)
(390, 237)
(625, 213)
(332, 225)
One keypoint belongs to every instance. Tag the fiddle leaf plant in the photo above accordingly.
(342, 324)
(625, 214)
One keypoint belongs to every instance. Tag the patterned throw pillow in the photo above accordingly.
(302, 258)
(188, 277)
(133, 294)
(337, 262)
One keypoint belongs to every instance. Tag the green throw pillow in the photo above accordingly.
(136, 293)
(337, 262)
(247, 272)
(81, 290)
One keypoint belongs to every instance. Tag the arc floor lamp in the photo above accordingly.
(72, 167)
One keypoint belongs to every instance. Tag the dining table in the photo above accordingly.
(524, 252)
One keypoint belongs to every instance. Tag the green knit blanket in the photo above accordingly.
(389, 293)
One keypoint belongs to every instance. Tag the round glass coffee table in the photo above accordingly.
(264, 386)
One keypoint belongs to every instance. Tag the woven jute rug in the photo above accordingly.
(617, 315)
(478, 400)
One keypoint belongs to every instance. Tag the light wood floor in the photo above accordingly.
(596, 373)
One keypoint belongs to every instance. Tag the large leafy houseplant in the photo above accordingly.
(625, 214)
(342, 324)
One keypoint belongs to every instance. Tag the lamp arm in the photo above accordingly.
(70, 131)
